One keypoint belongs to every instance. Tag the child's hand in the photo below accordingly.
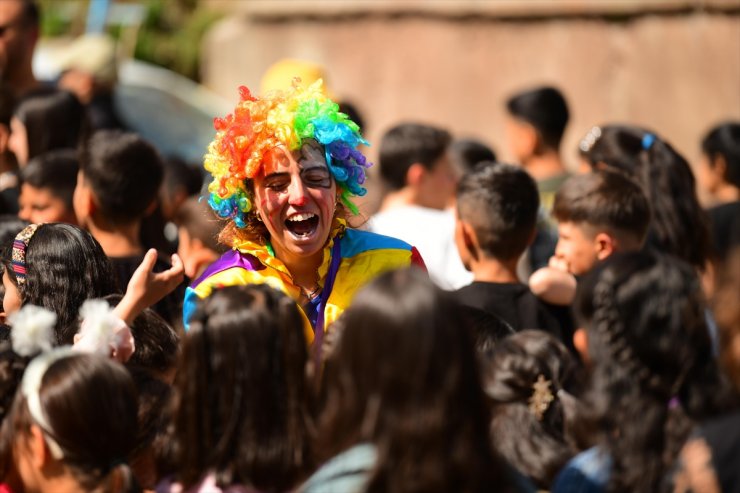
(553, 284)
(146, 287)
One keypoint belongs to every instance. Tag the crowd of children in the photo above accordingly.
(573, 330)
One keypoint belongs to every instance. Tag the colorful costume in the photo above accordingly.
(358, 257)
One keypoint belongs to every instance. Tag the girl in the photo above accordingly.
(249, 431)
(72, 424)
(55, 266)
(531, 378)
(403, 409)
(653, 373)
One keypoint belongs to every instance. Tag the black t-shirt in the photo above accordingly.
(725, 226)
(169, 307)
(513, 302)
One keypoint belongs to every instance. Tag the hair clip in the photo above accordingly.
(590, 139)
(18, 256)
(647, 141)
(541, 397)
(33, 330)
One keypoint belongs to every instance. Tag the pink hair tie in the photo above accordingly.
(101, 331)
(18, 257)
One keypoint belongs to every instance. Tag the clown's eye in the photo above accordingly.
(276, 184)
(316, 177)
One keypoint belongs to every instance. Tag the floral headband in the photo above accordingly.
(281, 118)
(18, 256)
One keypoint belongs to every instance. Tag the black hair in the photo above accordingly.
(545, 109)
(407, 144)
(53, 121)
(12, 366)
(724, 140)
(351, 110)
(30, 13)
(500, 201)
(679, 225)
(181, 180)
(199, 220)
(653, 372)
(535, 444)
(605, 198)
(55, 171)
(124, 172)
(64, 267)
(467, 153)
(251, 428)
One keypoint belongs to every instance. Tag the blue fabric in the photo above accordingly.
(355, 242)
(348, 472)
(587, 472)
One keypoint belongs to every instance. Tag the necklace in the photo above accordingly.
(313, 293)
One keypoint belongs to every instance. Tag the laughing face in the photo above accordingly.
(296, 197)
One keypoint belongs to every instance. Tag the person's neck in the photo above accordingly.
(118, 241)
(303, 269)
(403, 197)
(57, 477)
(545, 165)
(493, 270)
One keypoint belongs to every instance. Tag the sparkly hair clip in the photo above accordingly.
(590, 139)
(18, 257)
(541, 397)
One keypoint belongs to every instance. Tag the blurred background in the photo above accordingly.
(670, 65)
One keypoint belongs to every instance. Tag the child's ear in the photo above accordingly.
(605, 245)
(37, 447)
(415, 174)
(719, 166)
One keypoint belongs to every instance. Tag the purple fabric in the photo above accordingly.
(318, 330)
(232, 258)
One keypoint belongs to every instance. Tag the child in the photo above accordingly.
(71, 426)
(55, 266)
(42, 123)
(421, 179)
(598, 214)
(403, 408)
(653, 374)
(47, 185)
(530, 378)
(497, 208)
(117, 186)
(719, 176)
(678, 225)
(198, 229)
(250, 430)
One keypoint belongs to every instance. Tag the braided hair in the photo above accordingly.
(653, 372)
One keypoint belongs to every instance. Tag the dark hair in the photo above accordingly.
(407, 144)
(653, 374)
(180, 181)
(679, 225)
(467, 153)
(157, 343)
(500, 201)
(604, 198)
(55, 171)
(12, 366)
(10, 226)
(727, 314)
(124, 172)
(538, 448)
(351, 110)
(30, 13)
(53, 121)
(89, 402)
(200, 222)
(404, 377)
(64, 267)
(724, 140)
(545, 109)
(251, 428)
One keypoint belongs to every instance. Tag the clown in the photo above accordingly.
(285, 168)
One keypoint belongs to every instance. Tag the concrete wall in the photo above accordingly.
(676, 70)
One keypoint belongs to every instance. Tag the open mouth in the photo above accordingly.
(302, 225)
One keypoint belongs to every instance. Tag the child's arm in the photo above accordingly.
(554, 284)
(146, 287)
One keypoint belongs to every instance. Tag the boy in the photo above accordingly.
(198, 229)
(416, 168)
(598, 214)
(117, 185)
(47, 185)
(497, 208)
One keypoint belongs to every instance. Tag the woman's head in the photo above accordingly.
(55, 266)
(250, 428)
(299, 138)
(46, 122)
(652, 361)
(678, 225)
(74, 413)
(721, 149)
(404, 376)
(530, 377)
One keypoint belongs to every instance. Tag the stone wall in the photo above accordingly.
(673, 66)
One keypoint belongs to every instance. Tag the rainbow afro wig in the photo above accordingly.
(281, 118)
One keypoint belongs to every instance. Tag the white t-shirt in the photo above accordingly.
(432, 232)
